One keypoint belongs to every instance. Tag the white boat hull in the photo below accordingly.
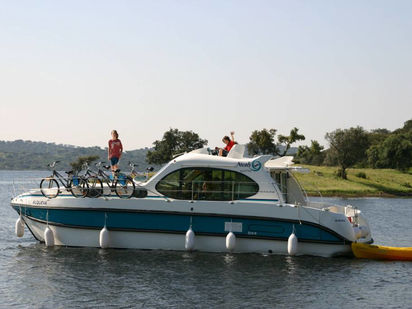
(77, 237)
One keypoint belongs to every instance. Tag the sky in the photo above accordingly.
(71, 71)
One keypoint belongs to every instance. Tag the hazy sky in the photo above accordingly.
(70, 71)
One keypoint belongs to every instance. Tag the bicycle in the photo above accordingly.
(75, 184)
(95, 187)
(139, 176)
(121, 184)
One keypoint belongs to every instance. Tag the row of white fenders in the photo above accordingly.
(190, 238)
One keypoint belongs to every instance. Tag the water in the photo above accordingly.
(33, 276)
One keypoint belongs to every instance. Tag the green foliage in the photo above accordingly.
(407, 127)
(310, 155)
(394, 152)
(348, 147)
(288, 140)
(354, 147)
(29, 155)
(173, 143)
(373, 154)
(78, 164)
(263, 142)
(361, 175)
(377, 136)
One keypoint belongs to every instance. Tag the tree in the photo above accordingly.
(407, 126)
(377, 136)
(173, 143)
(374, 154)
(78, 164)
(348, 147)
(288, 140)
(310, 155)
(394, 152)
(263, 142)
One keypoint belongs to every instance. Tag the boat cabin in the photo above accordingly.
(198, 175)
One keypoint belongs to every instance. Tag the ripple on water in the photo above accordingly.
(32, 275)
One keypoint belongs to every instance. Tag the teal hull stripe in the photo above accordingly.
(259, 200)
(180, 223)
(155, 197)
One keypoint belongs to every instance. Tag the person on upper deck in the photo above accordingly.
(229, 144)
(115, 151)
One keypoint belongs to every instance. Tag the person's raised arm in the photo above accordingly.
(232, 134)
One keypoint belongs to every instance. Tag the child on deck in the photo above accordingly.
(115, 151)
(229, 144)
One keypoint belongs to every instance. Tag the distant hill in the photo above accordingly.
(29, 155)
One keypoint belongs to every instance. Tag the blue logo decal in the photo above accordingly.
(256, 166)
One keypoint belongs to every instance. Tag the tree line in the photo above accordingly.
(30, 155)
(263, 141)
(379, 148)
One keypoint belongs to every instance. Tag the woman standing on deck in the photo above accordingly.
(115, 151)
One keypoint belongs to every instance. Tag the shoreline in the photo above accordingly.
(321, 181)
(361, 182)
(359, 195)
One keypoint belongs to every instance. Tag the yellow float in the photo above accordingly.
(366, 251)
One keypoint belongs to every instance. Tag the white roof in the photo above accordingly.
(284, 163)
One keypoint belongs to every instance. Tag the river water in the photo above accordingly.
(33, 276)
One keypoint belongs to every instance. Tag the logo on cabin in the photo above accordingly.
(254, 166)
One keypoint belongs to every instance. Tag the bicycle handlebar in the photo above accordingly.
(53, 164)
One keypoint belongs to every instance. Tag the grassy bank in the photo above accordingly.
(378, 182)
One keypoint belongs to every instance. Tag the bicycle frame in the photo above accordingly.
(49, 186)
(106, 178)
(65, 182)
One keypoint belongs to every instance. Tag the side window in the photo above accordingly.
(207, 184)
(170, 185)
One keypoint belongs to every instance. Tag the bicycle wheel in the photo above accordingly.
(78, 187)
(94, 187)
(124, 187)
(49, 187)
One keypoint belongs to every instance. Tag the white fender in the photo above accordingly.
(104, 238)
(230, 241)
(48, 237)
(19, 228)
(292, 244)
(190, 240)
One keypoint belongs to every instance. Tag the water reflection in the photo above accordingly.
(94, 277)
(291, 265)
(33, 275)
(229, 259)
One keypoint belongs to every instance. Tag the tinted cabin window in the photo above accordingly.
(207, 184)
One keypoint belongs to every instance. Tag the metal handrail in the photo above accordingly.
(195, 189)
